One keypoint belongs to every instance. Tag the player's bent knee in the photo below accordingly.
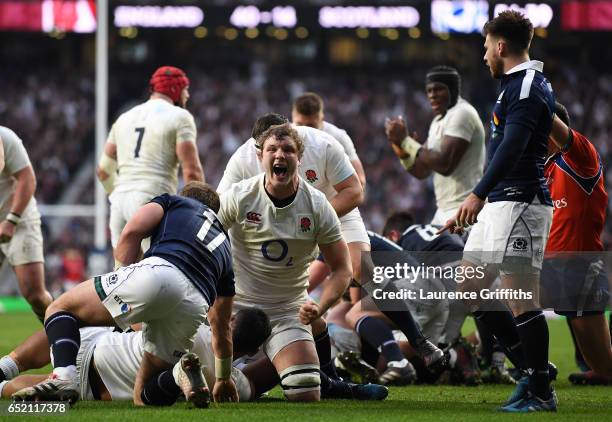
(301, 382)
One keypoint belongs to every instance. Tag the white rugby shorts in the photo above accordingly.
(157, 293)
(510, 232)
(353, 229)
(286, 327)
(26, 245)
(123, 205)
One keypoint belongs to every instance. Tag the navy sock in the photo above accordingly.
(334, 388)
(323, 346)
(502, 326)
(160, 390)
(62, 330)
(488, 343)
(397, 311)
(379, 335)
(533, 331)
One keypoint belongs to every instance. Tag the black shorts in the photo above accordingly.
(575, 285)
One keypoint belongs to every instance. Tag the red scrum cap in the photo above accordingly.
(170, 81)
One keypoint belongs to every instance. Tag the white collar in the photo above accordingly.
(531, 64)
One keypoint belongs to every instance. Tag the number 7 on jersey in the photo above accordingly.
(141, 132)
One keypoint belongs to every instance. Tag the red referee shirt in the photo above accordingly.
(576, 182)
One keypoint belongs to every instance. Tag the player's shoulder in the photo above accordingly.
(463, 107)
(333, 130)
(9, 136)
(527, 82)
(314, 138)
(245, 187)
(463, 110)
(175, 113)
(246, 150)
(380, 243)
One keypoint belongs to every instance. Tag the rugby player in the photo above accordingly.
(454, 150)
(21, 242)
(308, 110)
(276, 222)
(186, 273)
(145, 147)
(510, 231)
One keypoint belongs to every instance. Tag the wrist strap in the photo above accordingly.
(223, 367)
(13, 218)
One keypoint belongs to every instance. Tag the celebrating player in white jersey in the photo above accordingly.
(308, 111)
(327, 168)
(276, 221)
(21, 240)
(145, 147)
(454, 150)
(324, 166)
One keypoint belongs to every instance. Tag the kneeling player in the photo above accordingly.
(276, 222)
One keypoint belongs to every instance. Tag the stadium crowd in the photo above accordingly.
(55, 118)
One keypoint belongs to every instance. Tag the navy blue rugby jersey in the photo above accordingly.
(525, 105)
(191, 237)
(430, 248)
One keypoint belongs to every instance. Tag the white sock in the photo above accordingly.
(175, 372)
(2, 384)
(9, 367)
(498, 359)
(65, 372)
(398, 363)
(452, 357)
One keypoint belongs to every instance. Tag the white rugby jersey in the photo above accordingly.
(146, 137)
(460, 121)
(323, 164)
(15, 159)
(117, 357)
(273, 247)
(341, 136)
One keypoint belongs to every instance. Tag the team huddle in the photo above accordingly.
(223, 294)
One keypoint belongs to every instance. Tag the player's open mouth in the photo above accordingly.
(279, 170)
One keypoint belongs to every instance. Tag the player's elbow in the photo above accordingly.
(447, 167)
(356, 195)
(101, 174)
(446, 170)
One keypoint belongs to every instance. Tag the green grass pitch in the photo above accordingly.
(413, 403)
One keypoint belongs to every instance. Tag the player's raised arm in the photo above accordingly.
(140, 226)
(219, 318)
(560, 133)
